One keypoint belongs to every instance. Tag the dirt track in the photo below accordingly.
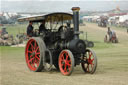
(112, 65)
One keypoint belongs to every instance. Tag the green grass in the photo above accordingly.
(13, 52)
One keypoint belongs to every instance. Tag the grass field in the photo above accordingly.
(112, 63)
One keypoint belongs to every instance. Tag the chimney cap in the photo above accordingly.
(75, 8)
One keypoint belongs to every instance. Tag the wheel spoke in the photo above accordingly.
(67, 56)
(29, 51)
(68, 68)
(35, 46)
(37, 57)
(68, 62)
(91, 61)
(31, 60)
(65, 68)
(35, 60)
(30, 56)
(62, 57)
(37, 53)
(37, 49)
(31, 46)
(90, 54)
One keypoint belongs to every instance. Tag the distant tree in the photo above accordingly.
(11, 20)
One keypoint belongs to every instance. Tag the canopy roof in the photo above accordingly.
(51, 17)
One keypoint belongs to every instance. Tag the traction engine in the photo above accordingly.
(61, 48)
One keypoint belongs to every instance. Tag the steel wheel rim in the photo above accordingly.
(65, 63)
(32, 54)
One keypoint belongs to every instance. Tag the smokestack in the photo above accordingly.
(76, 21)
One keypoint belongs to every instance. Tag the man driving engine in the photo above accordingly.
(42, 27)
(30, 29)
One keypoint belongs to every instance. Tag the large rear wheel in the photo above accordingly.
(34, 54)
(89, 63)
(66, 62)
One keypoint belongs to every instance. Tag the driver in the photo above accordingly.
(30, 29)
(42, 27)
(68, 24)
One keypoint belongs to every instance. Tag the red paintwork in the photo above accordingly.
(90, 60)
(65, 63)
(32, 54)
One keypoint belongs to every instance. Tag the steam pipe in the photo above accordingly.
(76, 21)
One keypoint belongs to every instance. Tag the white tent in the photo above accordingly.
(123, 18)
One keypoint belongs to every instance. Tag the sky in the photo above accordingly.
(63, 0)
(60, 5)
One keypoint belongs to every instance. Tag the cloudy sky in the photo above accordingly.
(60, 5)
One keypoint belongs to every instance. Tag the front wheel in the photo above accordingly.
(89, 63)
(66, 62)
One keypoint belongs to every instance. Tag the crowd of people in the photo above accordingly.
(7, 39)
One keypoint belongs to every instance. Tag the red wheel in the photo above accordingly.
(89, 63)
(66, 62)
(34, 54)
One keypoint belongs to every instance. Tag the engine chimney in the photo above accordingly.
(76, 21)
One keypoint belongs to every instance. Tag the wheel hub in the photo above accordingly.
(63, 62)
(33, 54)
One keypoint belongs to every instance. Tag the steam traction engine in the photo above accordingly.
(61, 48)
